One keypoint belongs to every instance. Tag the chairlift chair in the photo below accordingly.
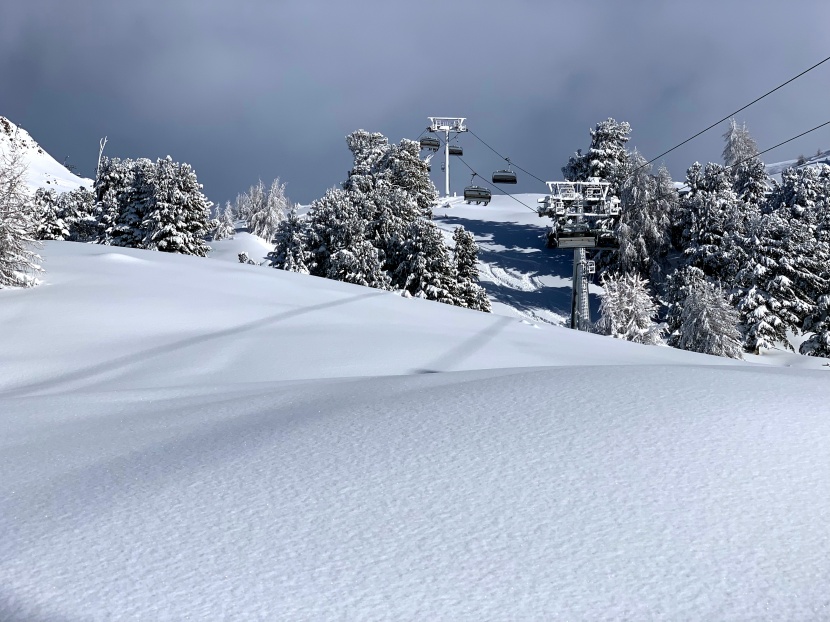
(504, 177)
(478, 194)
(456, 150)
(430, 142)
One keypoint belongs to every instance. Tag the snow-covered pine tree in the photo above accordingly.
(18, 224)
(131, 194)
(265, 217)
(290, 245)
(251, 203)
(708, 323)
(465, 255)
(178, 218)
(224, 223)
(428, 266)
(627, 311)
(606, 158)
(645, 225)
(113, 189)
(678, 285)
(740, 155)
(710, 219)
(51, 224)
(80, 214)
(778, 281)
(818, 323)
(739, 144)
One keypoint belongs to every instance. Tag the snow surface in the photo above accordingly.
(42, 170)
(776, 168)
(185, 438)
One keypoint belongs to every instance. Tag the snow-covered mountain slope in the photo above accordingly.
(43, 171)
(183, 438)
(775, 169)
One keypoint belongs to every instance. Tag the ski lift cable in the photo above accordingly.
(484, 179)
(737, 164)
(732, 114)
(508, 160)
(789, 140)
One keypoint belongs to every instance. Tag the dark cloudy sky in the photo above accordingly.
(254, 89)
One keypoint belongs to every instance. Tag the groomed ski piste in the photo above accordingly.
(187, 438)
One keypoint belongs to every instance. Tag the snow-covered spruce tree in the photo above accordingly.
(778, 281)
(645, 225)
(156, 206)
(627, 311)
(606, 158)
(178, 218)
(266, 215)
(290, 245)
(51, 224)
(710, 216)
(818, 323)
(739, 145)
(708, 323)
(80, 214)
(336, 238)
(113, 188)
(428, 265)
(465, 255)
(678, 284)
(251, 203)
(18, 224)
(224, 223)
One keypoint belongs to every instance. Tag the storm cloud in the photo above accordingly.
(252, 89)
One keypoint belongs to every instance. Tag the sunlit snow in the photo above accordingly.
(186, 438)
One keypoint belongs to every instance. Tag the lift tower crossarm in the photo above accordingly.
(447, 125)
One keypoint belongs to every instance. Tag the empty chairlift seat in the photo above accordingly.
(456, 150)
(477, 194)
(431, 143)
(504, 177)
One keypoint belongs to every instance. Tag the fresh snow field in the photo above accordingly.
(187, 438)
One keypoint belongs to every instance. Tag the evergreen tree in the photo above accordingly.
(290, 245)
(606, 158)
(708, 324)
(465, 255)
(178, 217)
(818, 323)
(150, 205)
(428, 266)
(644, 228)
(710, 219)
(739, 146)
(51, 224)
(225, 227)
(266, 215)
(18, 225)
(627, 311)
(80, 214)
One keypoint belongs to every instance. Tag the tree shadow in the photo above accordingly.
(519, 250)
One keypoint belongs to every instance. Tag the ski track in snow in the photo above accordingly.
(186, 438)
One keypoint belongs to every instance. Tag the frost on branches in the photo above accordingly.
(627, 311)
(152, 205)
(18, 225)
(707, 322)
(606, 158)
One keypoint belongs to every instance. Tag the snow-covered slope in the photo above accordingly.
(43, 171)
(775, 169)
(183, 438)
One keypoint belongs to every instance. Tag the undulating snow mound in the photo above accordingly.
(43, 171)
(183, 438)
(775, 169)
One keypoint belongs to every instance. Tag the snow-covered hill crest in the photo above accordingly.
(43, 171)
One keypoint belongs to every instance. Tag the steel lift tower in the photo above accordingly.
(583, 217)
(447, 125)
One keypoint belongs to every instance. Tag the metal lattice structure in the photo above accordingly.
(584, 217)
(447, 125)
